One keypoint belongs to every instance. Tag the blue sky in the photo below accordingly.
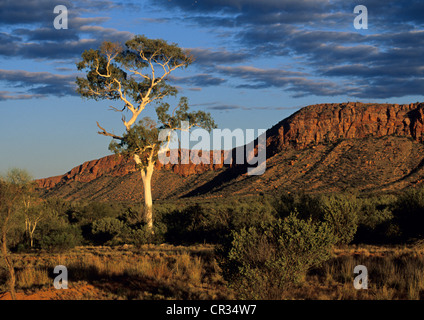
(257, 62)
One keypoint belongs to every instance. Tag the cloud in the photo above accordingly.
(28, 12)
(37, 84)
(198, 80)
(383, 62)
(58, 44)
(208, 57)
(298, 82)
(156, 20)
(317, 13)
(219, 106)
(8, 95)
(33, 36)
(327, 56)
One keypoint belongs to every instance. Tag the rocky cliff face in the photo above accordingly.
(116, 166)
(330, 122)
(90, 170)
(309, 126)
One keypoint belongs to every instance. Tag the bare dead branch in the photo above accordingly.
(116, 109)
(105, 133)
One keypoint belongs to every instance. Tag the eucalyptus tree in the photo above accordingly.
(13, 189)
(137, 75)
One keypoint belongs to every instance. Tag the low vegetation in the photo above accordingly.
(296, 246)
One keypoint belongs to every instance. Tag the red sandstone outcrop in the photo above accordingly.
(310, 125)
(90, 170)
(114, 165)
(330, 122)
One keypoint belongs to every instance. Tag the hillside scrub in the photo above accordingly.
(408, 214)
(263, 262)
(354, 218)
(265, 246)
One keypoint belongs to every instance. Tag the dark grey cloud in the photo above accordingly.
(383, 62)
(388, 14)
(28, 12)
(38, 84)
(298, 82)
(331, 57)
(224, 107)
(219, 106)
(57, 44)
(9, 95)
(208, 57)
(31, 33)
(27, 31)
(198, 80)
(156, 20)
(47, 34)
(383, 87)
(40, 12)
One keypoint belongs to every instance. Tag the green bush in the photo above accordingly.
(108, 230)
(84, 213)
(252, 213)
(212, 223)
(409, 214)
(143, 235)
(375, 220)
(341, 213)
(61, 239)
(192, 224)
(306, 205)
(262, 262)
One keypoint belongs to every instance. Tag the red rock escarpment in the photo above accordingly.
(114, 165)
(330, 122)
(310, 125)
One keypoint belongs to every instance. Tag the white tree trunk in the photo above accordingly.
(146, 176)
(148, 203)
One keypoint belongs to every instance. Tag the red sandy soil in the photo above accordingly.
(77, 292)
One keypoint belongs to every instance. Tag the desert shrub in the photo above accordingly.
(85, 213)
(139, 234)
(262, 262)
(61, 238)
(212, 223)
(306, 205)
(248, 214)
(53, 229)
(375, 210)
(58, 207)
(142, 234)
(408, 213)
(190, 225)
(375, 220)
(132, 215)
(339, 210)
(108, 230)
(341, 213)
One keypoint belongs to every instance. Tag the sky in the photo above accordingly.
(256, 63)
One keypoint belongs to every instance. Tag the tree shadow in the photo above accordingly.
(130, 286)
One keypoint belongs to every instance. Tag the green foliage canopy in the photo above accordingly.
(117, 73)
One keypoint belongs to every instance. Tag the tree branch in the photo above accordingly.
(105, 133)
